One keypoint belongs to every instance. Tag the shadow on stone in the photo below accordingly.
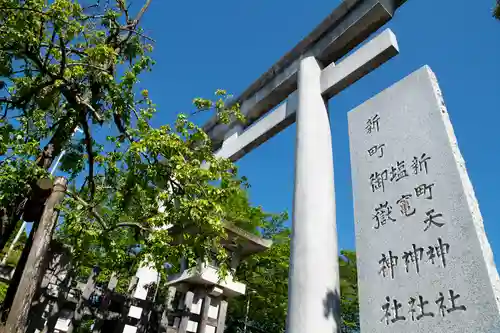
(331, 307)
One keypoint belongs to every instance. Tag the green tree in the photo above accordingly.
(17, 249)
(496, 10)
(349, 302)
(65, 66)
(266, 276)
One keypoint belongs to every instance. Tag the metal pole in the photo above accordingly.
(11, 247)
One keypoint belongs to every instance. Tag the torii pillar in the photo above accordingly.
(296, 88)
(314, 272)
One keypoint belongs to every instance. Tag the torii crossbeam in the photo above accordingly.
(303, 81)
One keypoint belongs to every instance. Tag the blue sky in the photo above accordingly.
(202, 46)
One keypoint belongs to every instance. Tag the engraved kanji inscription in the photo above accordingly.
(421, 304)
(432, 219)
(424, 190)
(453, 299)
(440, 251)
(441, 305)
(377, 181)
(398, 172)
(377, 150)
(419, 165)
(372, 124)
(405, 205)
(394, 315)
(382, 215)
(414, 256)
(413, 310)
(387, 264)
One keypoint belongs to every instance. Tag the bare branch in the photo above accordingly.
(133, 31)
(121, 4)
(141, 13)
(96, 114)
(134, 111)
(41, 66)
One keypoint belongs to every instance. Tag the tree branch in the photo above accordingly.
(41, 66)
(63, 56)
(42, 26)
(134, 111)
(63, 133)
(141, 13)
(121, 4)
(87, 65)
(130, 30)
(6, 159)
(90, 153)
(34, 11)
(101, 220)
(94, 213)
(117, 118)
(130, 225)
(96, 115)
(25, 98)
(52, 45)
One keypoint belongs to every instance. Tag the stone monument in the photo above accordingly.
(424, 262)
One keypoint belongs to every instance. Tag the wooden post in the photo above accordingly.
(34, 207)
(33, 272)
(18, 273)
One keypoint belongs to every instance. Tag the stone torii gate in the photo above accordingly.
(303, 81)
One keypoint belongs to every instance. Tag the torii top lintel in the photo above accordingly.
(352, 22)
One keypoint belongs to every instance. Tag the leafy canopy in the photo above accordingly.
(65, 67)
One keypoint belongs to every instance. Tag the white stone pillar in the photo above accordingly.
(314, 295)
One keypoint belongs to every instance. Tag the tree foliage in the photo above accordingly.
(266, 276)
(496, 10)
(349, 302)
(66, 66)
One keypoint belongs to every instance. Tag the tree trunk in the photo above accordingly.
(33, 273)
